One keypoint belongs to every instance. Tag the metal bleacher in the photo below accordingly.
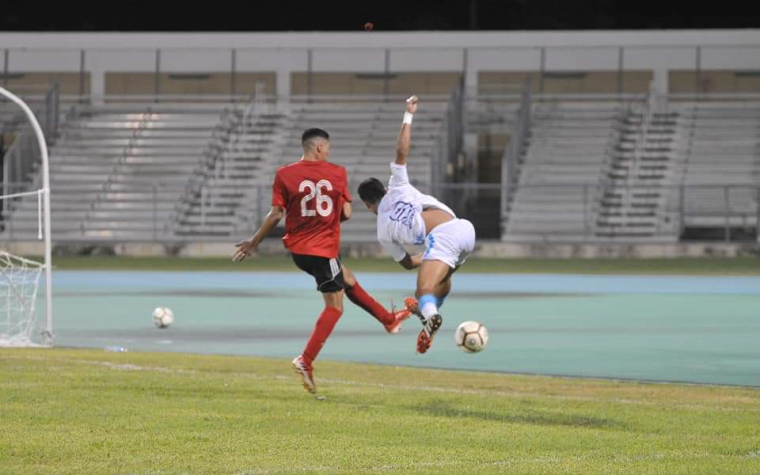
(560, 170)
(117, 171)
(227, 194)
(590, 170)
(232, 196)
(721, 176)
(597, 171)
(363, 139)
(175, 172)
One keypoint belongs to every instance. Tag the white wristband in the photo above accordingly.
(408, 118)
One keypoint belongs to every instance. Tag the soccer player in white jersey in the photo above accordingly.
(407, 216)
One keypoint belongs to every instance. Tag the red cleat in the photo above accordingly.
(399, 318)
(412, 305)
(425, 338)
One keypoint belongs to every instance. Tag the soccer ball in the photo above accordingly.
(471, 337)
(163, 317)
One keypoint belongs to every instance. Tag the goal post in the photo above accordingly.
(17, 272)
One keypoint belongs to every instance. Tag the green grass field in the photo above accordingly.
(86, 411)
(685, 266)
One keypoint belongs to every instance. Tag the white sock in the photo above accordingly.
(429, 309)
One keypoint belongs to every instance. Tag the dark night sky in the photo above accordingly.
(387, 15)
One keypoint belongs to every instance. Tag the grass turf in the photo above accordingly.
(70, 411)
(681, 266)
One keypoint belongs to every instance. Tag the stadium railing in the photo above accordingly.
(726, 211)
(699, 212)
(119, 221)
(512, 153)
(153, 227)
(450, 141)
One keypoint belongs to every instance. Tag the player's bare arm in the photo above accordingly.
(347, 212)
(410, 262)
(248, 247)
(404, 135)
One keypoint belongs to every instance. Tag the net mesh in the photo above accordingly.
(19, 281)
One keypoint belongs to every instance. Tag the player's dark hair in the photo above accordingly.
(371, 190)
(313, 133)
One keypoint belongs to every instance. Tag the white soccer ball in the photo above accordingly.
(471, 337)
(163, 317)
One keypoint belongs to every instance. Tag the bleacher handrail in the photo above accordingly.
(730, 206)
(511, 156)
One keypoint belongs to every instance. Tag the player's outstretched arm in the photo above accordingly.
(248, 247)
(405, 134)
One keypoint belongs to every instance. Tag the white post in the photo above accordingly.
(97, 85)
(661, 81)
(283, 81)
(46, 210)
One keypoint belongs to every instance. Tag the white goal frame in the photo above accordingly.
(46, 231)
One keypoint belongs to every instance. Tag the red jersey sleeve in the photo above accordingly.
(279, 192)
(346, 190)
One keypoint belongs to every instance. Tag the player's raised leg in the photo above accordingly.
(332, 312)
(358, 296)
(441, 292)
(431, 274)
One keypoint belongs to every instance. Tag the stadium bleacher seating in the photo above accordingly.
(591, 170)
(636, 171)
(172, 172)
(363, 134)
(721, 176)
(561, 169)
(117, 171)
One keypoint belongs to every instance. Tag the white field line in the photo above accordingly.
(378, 468)
(397, 387)
(469, 465)
(343, 382)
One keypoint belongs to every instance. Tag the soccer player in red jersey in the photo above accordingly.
(314, 193)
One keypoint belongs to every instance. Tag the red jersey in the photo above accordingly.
(313, 194)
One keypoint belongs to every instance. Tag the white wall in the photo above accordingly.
(658, 51)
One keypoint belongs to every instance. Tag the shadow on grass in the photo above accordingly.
(444, 409)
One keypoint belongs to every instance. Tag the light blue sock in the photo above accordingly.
(428, 306)
(439, 301)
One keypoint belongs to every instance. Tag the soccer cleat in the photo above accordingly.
(305, 371)
(425, 338)
(413, 306)
(399, 318)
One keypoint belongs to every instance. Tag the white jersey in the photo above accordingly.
(399, 214)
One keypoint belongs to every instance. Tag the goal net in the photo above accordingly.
(24, 219)
(19, 282)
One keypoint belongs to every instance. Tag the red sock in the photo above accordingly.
(322, 329)
(358, 296)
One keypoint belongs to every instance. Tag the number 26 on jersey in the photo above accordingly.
(324, 204)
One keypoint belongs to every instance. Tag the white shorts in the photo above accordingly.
(450, 242)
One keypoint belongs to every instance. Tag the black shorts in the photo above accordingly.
(327, 272)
